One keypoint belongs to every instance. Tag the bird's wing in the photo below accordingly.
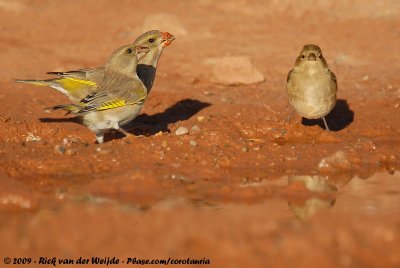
(93, 76)
(77, 84)
(115, 95)
(79, 74)
(333, 80)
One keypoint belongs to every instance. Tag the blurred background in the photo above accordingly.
(243, 188)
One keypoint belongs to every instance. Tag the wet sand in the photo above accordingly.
(256, 190)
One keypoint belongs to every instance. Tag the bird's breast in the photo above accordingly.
(312, 93)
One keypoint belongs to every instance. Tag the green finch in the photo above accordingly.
(78, 84)
(119, 96)
(311, 86)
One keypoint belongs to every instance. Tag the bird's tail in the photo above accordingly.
(70, 108)
(74, 88)
(45, 83)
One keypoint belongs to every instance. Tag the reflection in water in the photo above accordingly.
(305, 195)
(322, 196)
(313, 183)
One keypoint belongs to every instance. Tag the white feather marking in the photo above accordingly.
(60, 89)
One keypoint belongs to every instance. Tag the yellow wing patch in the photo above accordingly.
(82, 81)
(71, 84)
(111, 104)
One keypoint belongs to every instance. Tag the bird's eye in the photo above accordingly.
(303, 56)
(129, 50)
(151, 40)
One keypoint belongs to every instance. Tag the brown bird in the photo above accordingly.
(78, 84)
(119, 97)
(311, 86)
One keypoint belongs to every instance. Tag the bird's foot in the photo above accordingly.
(289, 118)
(100, 138)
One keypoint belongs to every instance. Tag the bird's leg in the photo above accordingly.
(289, 118)
(117, 127)
(100, 137)
(326, 124)
(126, 133)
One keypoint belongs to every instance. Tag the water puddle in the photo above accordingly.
(303, 196)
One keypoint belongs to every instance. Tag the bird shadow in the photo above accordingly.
(339, 118)
(148, 125)
(60, 120)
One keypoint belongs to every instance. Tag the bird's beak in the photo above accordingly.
(167, 38)
(141, 51)
(312, 57)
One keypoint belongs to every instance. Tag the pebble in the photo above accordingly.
(337, 161)
(201, 118)
(71, 152)
(178, 177)
(193, 143)
(164, 144)
(59, 149)
(181, 131)
(32, 137)
(103, 150)
(235, 70)
(195, 128)
(162, 155)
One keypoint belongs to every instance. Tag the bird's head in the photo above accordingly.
(154, 40)
(311, 54)
(125, 59)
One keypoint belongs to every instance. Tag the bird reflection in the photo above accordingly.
(322, 196)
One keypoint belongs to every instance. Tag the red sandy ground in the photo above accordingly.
(227, 199)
